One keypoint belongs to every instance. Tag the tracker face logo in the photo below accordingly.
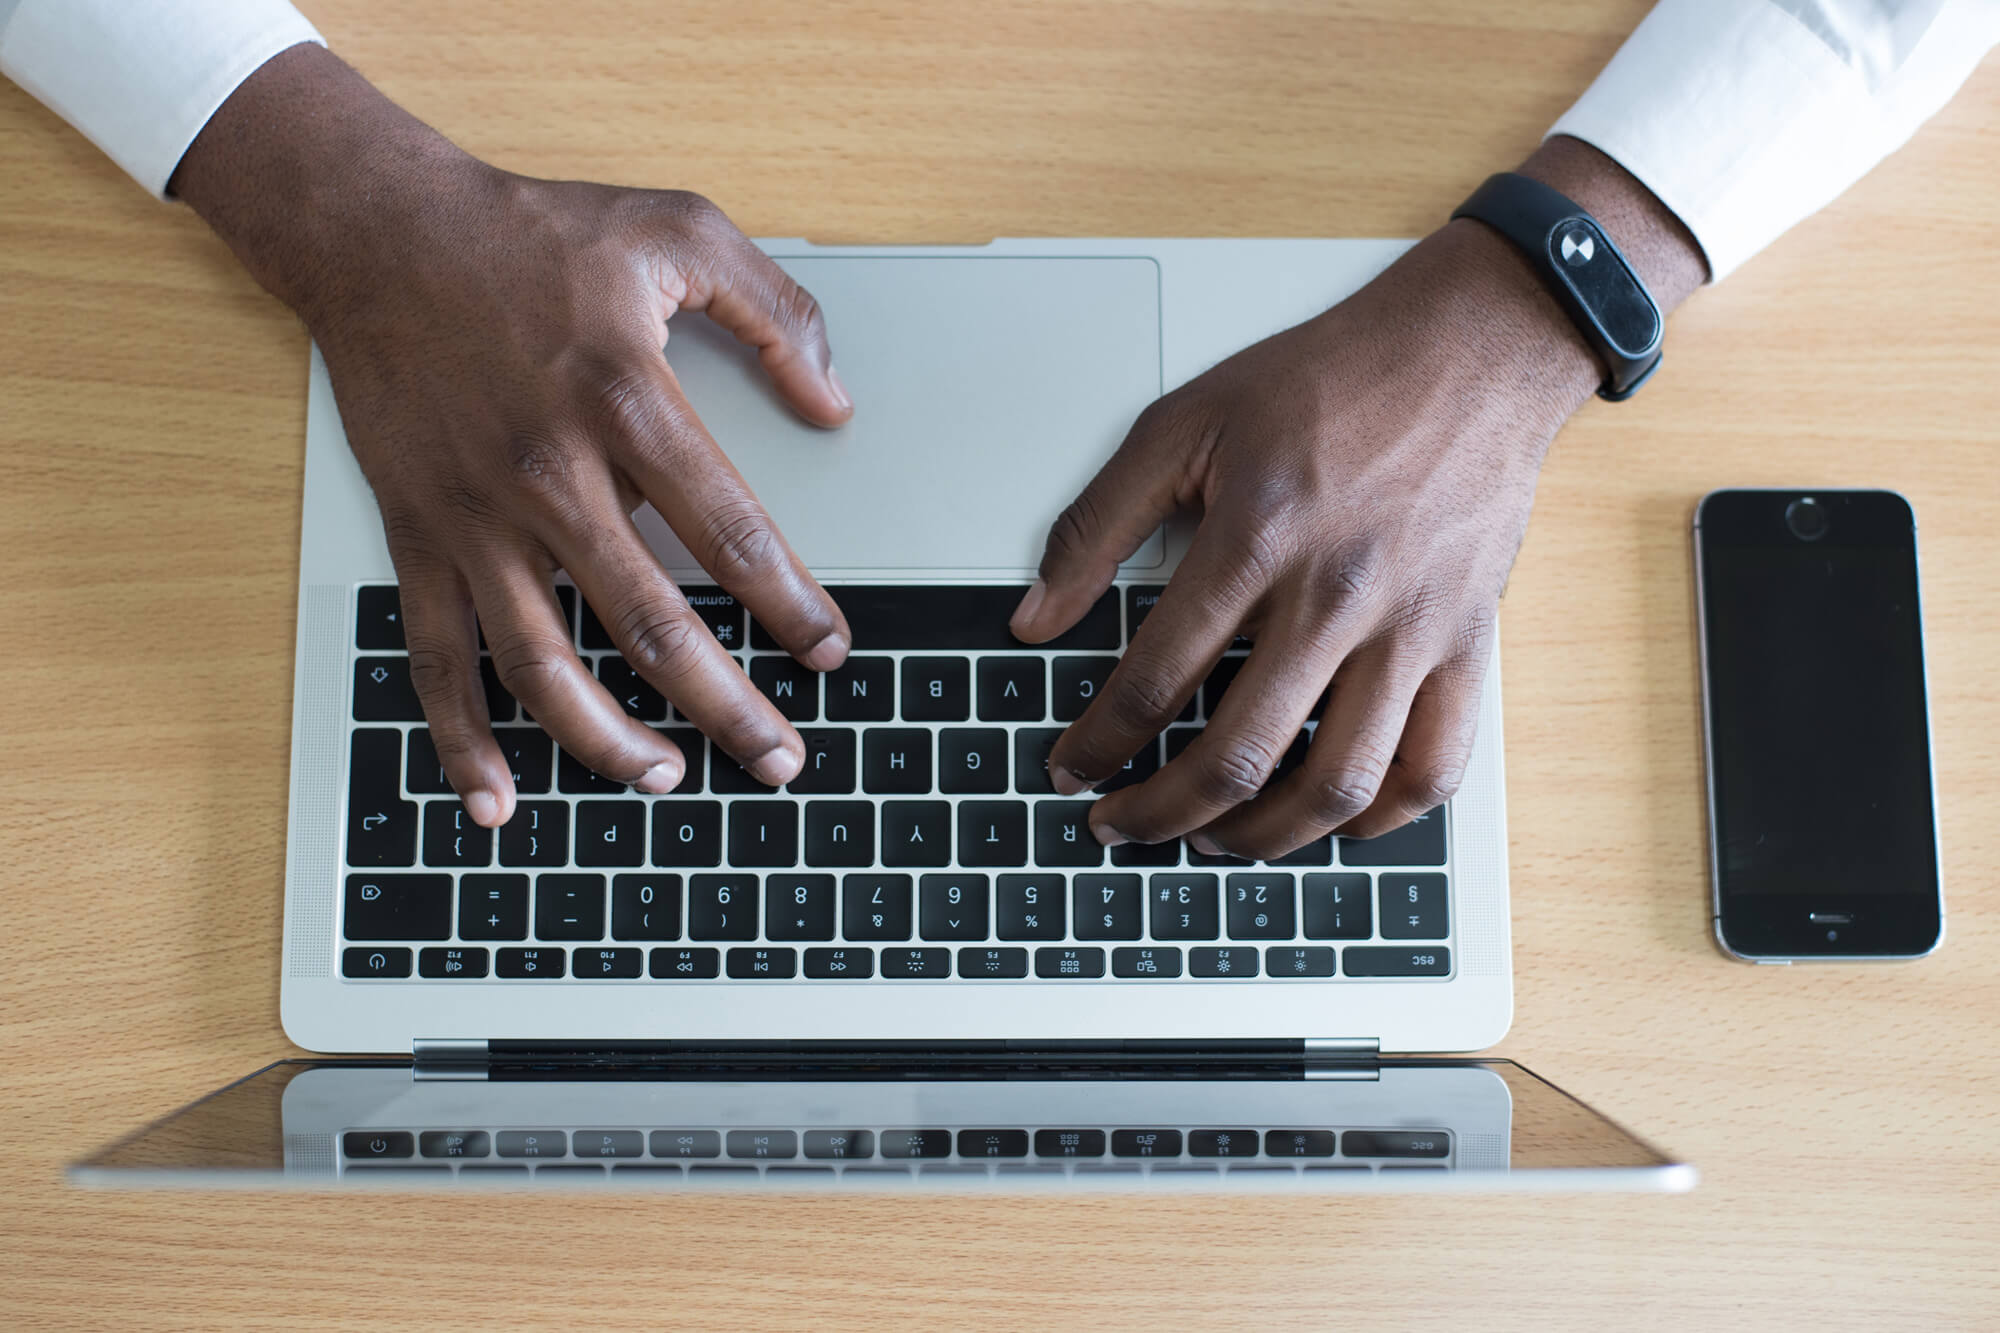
(1578, 247)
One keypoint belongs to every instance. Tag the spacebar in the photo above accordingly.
(964, 618)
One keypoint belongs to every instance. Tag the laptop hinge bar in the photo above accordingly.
(445, 1058)
(1343, 1046)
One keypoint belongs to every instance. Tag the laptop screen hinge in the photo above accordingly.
(1343, 1046)
(436, 1058)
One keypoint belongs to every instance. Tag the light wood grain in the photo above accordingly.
(151, 423)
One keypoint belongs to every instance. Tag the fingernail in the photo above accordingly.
(1031, 602)
(839, 389)
(661, 778)
(776, 766)
(1204, 844)
(484, 807)
(828, 653)
(1067, 781)
(1109, 836)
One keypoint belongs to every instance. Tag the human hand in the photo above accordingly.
(494, 346)
(1364, 481)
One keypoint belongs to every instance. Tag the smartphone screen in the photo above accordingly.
(1821, 818)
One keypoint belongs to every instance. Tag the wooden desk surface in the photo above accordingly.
(152, 419)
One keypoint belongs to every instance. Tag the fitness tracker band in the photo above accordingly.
(1583, 270)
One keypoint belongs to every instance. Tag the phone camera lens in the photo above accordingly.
(1806, 517)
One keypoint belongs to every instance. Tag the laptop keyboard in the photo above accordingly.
(921, 841)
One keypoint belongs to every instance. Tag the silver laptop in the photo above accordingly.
(920, 889)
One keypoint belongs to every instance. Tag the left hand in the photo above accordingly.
(1364, 481)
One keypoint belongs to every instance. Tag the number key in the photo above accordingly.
(1107, 907)
(1260, 907)
(1413, 907)
(722, 907)
(1184, 907)
(1031, 907)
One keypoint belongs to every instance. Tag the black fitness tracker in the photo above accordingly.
(1583, 270)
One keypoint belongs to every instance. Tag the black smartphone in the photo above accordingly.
(1822, 821)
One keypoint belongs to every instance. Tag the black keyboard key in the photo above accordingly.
(1078, 680)
(952, 907)
(631, 690)
(569, 907)
(1222, 1143)
(1418, 843)
(992, 1143)
(1145, 762)
(381, 825)
(1140, 599)
(875, 907)
(1413, 907)
(607, 1143)
(936, 689)
(381, 963)
(565, 607)
(1068, 964)
(992, 964)
(1394, 961)
(1145, 1143)
(1260, 907)
(532, 1143)
(916, 833)
(1218, 683)
(798, 907)
(1031, 759)
(575, 779)
(840, 1143)
(720, 611)
(452, 964)
(940, 618)
(1032, 907)
(1396, 1143)
(683, 965)
(606, 964)
(896, 761)
(1108, 907)
(1069, 1143)
(1063, 836)
(645, 907)
(1166, 853)
(1183, 907)
(993, 833)
(763, 833)
(726, 777)
(915, 964)
(1222, 962)
(792, 688)
(972, 761)
(691, 745)
(829, 766)
(610, 833)
(397, 907)
(455, 1143)
(687, 833)
(367, 1143)
(530, 964)
(453, 839)
(684, 1143)
(1146, 962)
(1318, 852)
(1178, 739)
(378, 619)
(840, 964)
(916, 1143)
(840, 833)
(1012, 689)
(1298, 1143)
(763, 1143)
(537, 835)
(382, 691)
(1339, 907)
(530, 756)
(493, 907)
(722, 907)
(1304, 960)
(500, 705)
(861, 689)
(424, 773)
(763, 964)
(594, 637)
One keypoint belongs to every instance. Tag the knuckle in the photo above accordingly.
(741, 543)
(660, 641)
(529, 666)
(1075, 528)
(691, 211)
(537, 468)
(1234, 771)
(1144, 696)
(1354, 573)
(1436, 783)
(436, 669)
(800, 312)
(1334, 798)
(622, 403)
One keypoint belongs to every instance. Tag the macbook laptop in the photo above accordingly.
(919, 895)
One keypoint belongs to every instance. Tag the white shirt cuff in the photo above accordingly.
(140, 80)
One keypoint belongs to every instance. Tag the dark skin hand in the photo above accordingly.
(1363, 481)
(494, 346)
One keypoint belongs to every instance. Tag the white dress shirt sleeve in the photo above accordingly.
(141, 77)
(1746, 116)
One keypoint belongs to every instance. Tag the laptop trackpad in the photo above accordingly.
(987, 391)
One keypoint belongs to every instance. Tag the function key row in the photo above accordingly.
(885, 908)
(920, 963)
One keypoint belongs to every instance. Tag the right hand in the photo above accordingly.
(494, 344)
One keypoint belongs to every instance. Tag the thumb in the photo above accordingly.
(1131, 495)
(741, 288)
